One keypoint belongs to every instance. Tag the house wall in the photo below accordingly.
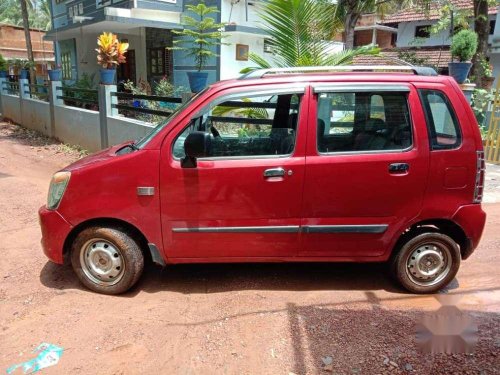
(230, 67)
(406, 35)
(365, 37)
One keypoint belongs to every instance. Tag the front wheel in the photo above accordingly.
(107, 260)
(427, 262)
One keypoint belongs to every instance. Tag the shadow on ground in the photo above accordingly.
(217, 278)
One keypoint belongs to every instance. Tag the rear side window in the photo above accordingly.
(363, 121)
(442, 124)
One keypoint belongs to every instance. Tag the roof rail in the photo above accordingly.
(417, 70)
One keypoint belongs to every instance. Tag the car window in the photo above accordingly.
(363, 121)
(442, 123)
(247, 125)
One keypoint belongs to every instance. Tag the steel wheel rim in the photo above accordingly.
(102, 262)
(428, 263)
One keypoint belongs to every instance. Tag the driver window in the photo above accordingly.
(248, 126)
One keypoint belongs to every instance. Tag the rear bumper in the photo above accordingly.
(472, 219)
(55, 229)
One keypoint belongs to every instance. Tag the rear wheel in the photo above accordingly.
(426, 262)
(107, 260)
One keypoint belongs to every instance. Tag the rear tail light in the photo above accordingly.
(480, 170)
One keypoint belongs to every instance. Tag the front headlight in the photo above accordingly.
(56, 190)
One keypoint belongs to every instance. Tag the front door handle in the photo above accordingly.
(274, 172)
(399, 168)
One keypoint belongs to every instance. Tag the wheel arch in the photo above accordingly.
(112, 223)
(445, 226)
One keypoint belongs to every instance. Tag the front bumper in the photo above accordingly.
(55, 230)
(471, 219)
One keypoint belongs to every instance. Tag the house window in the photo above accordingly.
(157, 61)
(492, 26)
(160, 62)
(268, 46)
(66, 65)
(422, 31)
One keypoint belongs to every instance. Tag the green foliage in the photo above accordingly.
(38, 13)
(479, 103)
(86, 82)
(200, 34)
(19, 64)
(298, 31)
(464, 45)
(3, 63)
(165, 88)
(485, 67)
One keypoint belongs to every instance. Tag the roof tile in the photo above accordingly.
(418, 14)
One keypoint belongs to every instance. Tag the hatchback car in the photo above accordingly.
(341, 164)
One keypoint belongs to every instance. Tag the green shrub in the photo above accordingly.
(464, 45)
(3, 63)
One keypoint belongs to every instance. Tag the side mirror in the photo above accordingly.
(196, 145)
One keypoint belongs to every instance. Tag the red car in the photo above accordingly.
(310, 165)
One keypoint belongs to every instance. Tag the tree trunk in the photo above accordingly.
(27, 35)
(350, 22)
(482, 28)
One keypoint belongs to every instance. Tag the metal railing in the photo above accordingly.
(37, 91)
(80, 98)
(145, 107)
(12, 88)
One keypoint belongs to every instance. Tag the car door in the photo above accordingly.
(244, 200)
(366, 168)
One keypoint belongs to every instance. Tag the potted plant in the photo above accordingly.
(110, 54)
(24, 67)
(463, 47)
(55, 73)
(3, 67)
(200, 35)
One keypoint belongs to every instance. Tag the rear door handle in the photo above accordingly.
(399, 168)
(274, 172)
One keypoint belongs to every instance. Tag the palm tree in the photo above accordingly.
(299, 33)
(27, 36)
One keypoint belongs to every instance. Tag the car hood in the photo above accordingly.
(96, 158)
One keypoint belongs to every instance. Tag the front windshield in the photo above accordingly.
(162, 124)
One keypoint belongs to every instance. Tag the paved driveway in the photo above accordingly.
(221, 319)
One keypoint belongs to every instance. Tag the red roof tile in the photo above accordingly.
(432, 56)
(417, 14)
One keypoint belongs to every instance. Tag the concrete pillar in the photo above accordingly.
(54, 92)
(106, 110)
(24, 90)
(53, 102)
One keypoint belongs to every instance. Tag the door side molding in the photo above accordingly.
(369, 228)
(257, 229)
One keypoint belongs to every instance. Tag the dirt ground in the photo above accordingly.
(221, 319)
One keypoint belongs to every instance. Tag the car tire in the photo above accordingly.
(107, 260)
(426, 262)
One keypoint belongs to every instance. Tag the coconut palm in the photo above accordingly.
(299, 33)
